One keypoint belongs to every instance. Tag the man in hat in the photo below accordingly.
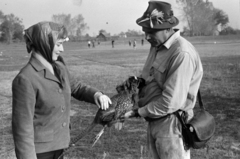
(173, 72)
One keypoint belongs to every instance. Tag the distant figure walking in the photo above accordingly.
(89, 43)
(112, 43)
(142, 42)
(130, 43)
(134, 44)
(93, 44)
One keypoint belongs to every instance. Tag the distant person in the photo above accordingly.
(112, 43)
(89, 43)
(130, 43)
(41, 95)
(93, 43)
(134, 44)
(142, 42)
(173, 72)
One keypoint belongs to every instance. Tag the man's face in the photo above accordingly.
(156, 38)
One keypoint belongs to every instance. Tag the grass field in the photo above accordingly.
(104, 67)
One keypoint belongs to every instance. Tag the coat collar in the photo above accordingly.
(44, 62)
(38, 66)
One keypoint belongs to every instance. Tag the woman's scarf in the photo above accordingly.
(41, 38)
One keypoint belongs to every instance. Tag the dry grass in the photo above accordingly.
(104, 67)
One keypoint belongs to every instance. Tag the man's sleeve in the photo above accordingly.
(23, 104)
(175, 88)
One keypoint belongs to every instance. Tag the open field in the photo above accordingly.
(104, 67)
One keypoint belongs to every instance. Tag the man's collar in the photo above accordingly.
(167, 44)
(170, 41)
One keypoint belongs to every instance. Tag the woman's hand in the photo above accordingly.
(102, 100)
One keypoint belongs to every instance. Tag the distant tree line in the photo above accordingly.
(11, 28)
(75, 25)
(203, 19)
(77, 28)
(133, 33)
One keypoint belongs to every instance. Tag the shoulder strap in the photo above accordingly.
(200, 100)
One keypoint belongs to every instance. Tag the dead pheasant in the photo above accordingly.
(121, 103)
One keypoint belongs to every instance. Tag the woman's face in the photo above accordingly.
(58, 49)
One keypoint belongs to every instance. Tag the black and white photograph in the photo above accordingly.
(120, 79)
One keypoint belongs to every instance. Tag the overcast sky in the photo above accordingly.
(114, 16)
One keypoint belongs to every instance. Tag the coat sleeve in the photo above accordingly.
(23, 105)
(81, 91)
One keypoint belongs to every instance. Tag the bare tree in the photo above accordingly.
(78, 27)
(188, 10)
(201, 16)
(64, 19)
(203, 23)
(10, 26)
(221, 18)
(75, 26)
(1, 17)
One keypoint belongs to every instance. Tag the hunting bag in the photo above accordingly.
(199, 129)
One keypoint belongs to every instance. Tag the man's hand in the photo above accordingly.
(102, 100)
(131, 114)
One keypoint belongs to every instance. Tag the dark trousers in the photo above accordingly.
(50, 155)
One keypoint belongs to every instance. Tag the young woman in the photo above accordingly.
(42, 93)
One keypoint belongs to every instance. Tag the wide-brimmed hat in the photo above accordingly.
(159, 15)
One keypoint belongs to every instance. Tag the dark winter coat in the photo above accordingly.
(41, 108)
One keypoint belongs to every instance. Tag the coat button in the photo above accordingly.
(60, 90)
(64, 124)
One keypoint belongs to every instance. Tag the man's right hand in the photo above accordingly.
(131, 114)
